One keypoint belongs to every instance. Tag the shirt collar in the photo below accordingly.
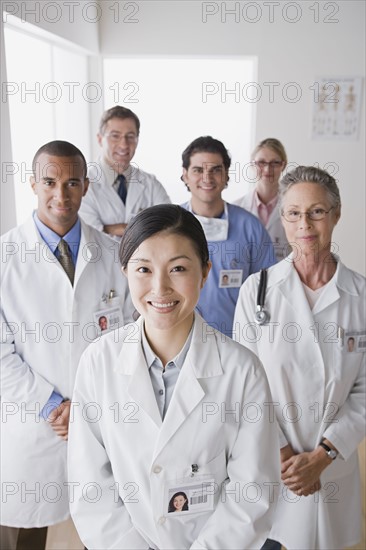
(270, 205)
(150, 356)
(111, 174)
(223, 216)
(52, 239)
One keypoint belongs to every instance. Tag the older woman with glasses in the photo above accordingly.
(310, 309)
(269, 159)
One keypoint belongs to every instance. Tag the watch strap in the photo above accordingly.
(330, 452)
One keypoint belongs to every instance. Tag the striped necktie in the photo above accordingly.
(122, 187)
(65, 259)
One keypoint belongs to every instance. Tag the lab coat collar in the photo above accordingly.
(203, 354)
(110, 174)
(202, 361)
(89, 250)
(345, 280)
(284, 274)
(131, 363)
(32, 236)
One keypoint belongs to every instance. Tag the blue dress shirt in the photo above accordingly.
(52, 240)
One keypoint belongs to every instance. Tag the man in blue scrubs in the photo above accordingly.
(238, 243)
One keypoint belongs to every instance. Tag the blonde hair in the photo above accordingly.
(271, 143)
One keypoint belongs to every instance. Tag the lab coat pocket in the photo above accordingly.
(346, 368)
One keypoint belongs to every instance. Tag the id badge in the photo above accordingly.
(355, 342)
(189, 497)
(110, 317)
(230, 278)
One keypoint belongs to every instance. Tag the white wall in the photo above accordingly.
(287, 52)
(77, 22)
(74, 25)
(7, 179)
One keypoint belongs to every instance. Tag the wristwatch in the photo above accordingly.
(330, 452)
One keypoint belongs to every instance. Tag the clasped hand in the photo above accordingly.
(301, 472)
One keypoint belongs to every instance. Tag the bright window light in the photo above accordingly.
(178, 100)
(39, 104)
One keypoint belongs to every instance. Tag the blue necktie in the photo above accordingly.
(122, 188)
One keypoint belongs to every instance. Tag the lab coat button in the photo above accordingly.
(161, 520)
(157, 469)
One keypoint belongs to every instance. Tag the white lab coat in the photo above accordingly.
(274, 225)
(46, 325)
(102, 206)
(319, 388)
(216, 419)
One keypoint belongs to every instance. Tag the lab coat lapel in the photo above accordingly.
(293, 293)
(132, 365)
(43, 255)
(134, 191)
(202, 361)
(89, 251)
(102, 177)
(331, 292)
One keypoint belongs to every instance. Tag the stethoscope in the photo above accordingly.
(261, 316)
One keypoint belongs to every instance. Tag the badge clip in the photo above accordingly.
(194, 469)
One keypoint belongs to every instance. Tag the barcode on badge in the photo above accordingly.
(199, 500)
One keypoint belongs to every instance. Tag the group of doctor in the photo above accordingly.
(169, 406)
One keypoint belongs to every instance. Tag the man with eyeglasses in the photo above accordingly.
(118, 190)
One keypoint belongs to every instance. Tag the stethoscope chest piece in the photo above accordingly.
(261, 317)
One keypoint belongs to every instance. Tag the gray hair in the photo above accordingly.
(310, 174)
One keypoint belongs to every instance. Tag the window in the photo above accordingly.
(44, 83)
(180, 99)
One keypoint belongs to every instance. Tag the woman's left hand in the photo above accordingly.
(301, 472)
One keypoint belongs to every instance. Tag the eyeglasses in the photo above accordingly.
(272, 164)
(115, 137)
(316, 214)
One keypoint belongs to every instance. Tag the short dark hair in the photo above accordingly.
(206, 144)
(59, 149)
(118, 112)
(163, 217)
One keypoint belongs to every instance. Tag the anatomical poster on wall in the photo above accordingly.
(337, 108)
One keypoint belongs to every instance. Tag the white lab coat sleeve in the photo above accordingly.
(89, 210)
(20, 384)
(244, 513)
(348, 427)
(99, 513)
(160, 196)
(246, 332)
